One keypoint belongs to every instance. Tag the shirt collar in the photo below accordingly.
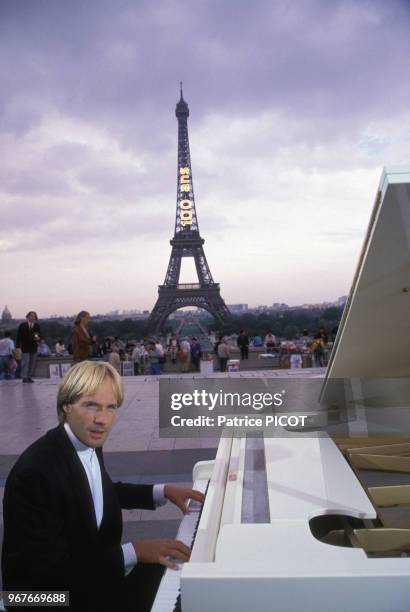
(82, 449)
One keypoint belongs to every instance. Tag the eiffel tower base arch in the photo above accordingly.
(173, 298)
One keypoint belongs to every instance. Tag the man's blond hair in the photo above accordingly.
(85, 378)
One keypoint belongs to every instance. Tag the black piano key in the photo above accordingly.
(177, 607)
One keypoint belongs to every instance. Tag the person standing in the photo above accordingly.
(154, 357)
(136, 358)
(114, 360)
(161, 355)
(185, 354)
(243, 343)
(196, 352)
(80, 338)
(173, 347)
(223, 354)
(318, 350)
(322, 333)
(6, 356)
(95, 351)
(28, 336)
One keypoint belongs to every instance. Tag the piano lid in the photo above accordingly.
(373, 337)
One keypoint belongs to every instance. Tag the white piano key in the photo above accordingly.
(168, 590)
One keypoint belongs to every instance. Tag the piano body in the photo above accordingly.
(279, 564)
(287, 526)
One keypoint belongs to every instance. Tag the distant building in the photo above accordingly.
(280, 306)
(238, 307)
(6, 315)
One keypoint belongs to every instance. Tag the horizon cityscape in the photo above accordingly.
(235, 309)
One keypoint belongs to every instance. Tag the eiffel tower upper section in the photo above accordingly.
(186, 220)
(186, 242)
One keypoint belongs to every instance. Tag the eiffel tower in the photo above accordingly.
(186, 242)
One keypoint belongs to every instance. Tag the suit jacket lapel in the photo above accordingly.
(80, 487)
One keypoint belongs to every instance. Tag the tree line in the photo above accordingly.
(288, 324)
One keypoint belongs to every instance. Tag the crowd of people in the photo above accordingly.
(313, 345)
(18, 359)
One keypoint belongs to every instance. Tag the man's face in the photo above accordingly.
(31, 317)
(92, 416)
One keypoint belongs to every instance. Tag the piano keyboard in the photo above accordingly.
(168, 597)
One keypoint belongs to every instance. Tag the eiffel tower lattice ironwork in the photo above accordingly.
(186, 242)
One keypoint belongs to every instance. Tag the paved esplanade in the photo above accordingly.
(133, 451)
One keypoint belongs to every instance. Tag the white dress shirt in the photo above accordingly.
(91, 466)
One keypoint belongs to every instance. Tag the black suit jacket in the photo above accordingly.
(25, 337)
(51, 541)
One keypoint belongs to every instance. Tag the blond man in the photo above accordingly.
(62, 512)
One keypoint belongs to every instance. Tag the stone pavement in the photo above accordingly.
(133, 452)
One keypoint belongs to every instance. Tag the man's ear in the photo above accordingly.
(67, 408)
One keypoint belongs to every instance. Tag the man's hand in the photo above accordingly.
(160, 551)
(180, 496)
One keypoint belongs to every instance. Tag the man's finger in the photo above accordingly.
(197, 495)
(181, 547)
(172, 545)
(168, 563)
(177, 549)
(177, 554)
(182, 505)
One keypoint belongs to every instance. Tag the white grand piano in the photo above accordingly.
(286, 525)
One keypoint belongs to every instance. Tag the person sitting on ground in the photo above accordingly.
(257, 341)
(59, 347)
(43, 350)
(270, 342)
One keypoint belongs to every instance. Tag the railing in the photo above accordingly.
(188, 286)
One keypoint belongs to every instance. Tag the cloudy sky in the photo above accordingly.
(295, 107)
